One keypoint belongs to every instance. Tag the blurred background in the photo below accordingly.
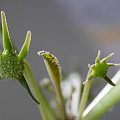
(73, 30)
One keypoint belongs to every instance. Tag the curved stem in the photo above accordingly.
(45, 108)
(86, 90)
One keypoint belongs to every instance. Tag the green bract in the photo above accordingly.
(53, 67)
(11, 64)
(100, 68)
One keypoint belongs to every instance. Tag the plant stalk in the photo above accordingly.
(108, 93)
(61, 104)
(85, 94)
(45, 108)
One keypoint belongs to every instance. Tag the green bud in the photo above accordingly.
(11, 64)
(100, 68)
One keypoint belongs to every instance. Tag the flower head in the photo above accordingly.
(11, 64)
(100, 68)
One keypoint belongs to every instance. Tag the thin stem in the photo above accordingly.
(53, 95)
(85, 94)
(61, 106)
(45, 108)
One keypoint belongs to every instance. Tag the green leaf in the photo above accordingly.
(109, 80)
(25, 85)
(46, 110)
(54, 71)
(25, 47)
(52, 66)
(7, 44)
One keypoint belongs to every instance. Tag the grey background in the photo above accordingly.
(58, 27)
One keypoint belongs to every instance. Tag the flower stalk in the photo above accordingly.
(100, 97)
(45, 108)
(99, 69)
(85, 94)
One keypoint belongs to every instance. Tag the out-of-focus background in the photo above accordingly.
(73, 30)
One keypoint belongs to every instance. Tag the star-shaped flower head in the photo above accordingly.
(11, 64)
(100, 68)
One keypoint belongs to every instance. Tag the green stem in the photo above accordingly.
(56, 83)
(86, 90)
(45, 108)
(61, 104)
(108, 91)
(109, 100)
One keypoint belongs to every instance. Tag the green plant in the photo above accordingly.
(14, 66)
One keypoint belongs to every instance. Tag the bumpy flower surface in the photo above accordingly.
(11, 66)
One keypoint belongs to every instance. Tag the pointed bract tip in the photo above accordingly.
(26, 45)
(110, 55)
(97, 60)
(112, 64)
(41, 52)
(7, 44)
(99, 52)
(28, 33)
(2, 13)
(90, 66)
(117, 64)
(107, 58)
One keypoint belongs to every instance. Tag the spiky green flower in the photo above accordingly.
(11, 64)
(100, 68)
